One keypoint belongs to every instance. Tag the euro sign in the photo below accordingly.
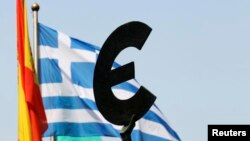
(116, 111)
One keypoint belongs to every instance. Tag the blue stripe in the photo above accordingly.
(116, 65)
(154, 117)
(47, 36)
(80, 129)
(68, 102)
(77, 44)
(137, 135)
(82, 74)
(49, 71)
(126, 86)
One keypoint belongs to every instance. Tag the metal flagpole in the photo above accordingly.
(35, 8)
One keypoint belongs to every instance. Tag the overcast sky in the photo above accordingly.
(196, 60)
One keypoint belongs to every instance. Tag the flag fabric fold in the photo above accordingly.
(66, 67)
(31, 116)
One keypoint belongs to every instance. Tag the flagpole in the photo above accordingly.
(35, 8)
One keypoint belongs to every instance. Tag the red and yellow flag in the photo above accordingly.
(31, 115)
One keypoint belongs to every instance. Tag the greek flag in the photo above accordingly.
(66, 67)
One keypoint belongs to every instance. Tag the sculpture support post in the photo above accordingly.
(127, 130)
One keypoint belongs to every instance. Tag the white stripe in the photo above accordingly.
(47, 52)
(154, 128)
(97, 51)
(62, 89)
(134, 83)
(122, 94)
(46, 139)
(161, 115)
(77, 55)
(74, 115)
(157, 112)
(63, 39)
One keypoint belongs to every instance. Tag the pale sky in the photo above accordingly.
(196, 60)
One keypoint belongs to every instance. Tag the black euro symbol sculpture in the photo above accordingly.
(121, 112)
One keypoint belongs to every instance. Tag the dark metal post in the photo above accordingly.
(127, 130)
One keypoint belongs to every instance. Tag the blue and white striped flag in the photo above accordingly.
(66, 67)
